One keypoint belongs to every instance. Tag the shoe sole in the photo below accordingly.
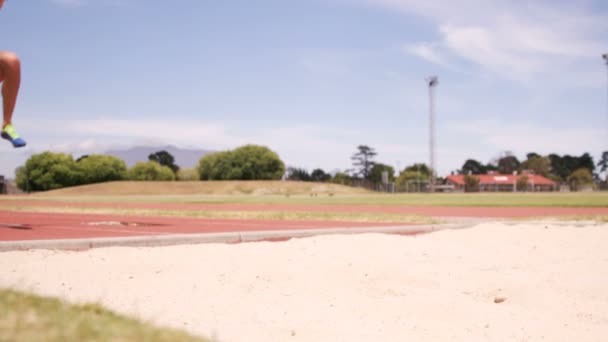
(8, 137)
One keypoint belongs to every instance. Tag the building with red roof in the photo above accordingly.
(502, 182)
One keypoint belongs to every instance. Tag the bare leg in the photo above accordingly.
(10, 76)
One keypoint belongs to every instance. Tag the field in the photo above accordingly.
(371, 287)
(301, 201)
(145, 210)
(279, 192)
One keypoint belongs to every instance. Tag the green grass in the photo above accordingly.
(594, 199)
(259, 215)
(597, 199)
(25, 317)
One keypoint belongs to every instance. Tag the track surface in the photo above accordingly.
(16, 226)
(32, 225)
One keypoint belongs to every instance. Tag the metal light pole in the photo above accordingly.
(433, 82)
(605, 57)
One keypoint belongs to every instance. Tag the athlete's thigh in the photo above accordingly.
(6, 58)
(1, 68)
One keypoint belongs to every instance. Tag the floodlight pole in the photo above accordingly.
(605, 57)
(432, 82)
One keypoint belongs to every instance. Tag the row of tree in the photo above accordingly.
(364, 168)
(562, 169)
(552, 166)
(48, 170)
(248, 162)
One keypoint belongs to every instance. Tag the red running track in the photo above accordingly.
(17, 226)
(32, 225)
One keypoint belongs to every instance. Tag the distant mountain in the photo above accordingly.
(183, 157)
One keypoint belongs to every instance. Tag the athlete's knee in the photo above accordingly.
(10, 60)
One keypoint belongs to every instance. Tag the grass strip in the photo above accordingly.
(246, 215)
(26, 317)
(555, 199)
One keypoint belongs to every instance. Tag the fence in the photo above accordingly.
(393, 187)
(3, 186)
(423, 186)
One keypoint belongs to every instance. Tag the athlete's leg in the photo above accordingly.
(10, 76)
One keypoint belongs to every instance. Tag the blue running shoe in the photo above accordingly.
(9, 133)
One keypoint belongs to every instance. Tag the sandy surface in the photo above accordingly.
(436, 287)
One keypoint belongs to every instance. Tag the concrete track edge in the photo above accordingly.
(226, 237)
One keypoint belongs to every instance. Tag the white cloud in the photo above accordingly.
(427, 51)
(179, 131)
(87, 146)
(513, 39)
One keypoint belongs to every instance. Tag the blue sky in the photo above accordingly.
(310, 79)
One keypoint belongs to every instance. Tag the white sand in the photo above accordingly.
(437, 287)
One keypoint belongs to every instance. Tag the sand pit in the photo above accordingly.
(493, 282)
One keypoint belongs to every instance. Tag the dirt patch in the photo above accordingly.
(205, 188)
(15, 226)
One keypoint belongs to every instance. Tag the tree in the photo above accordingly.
(298, 174)
(406, 178)
(318, 175)
(84, 156)
(150, 171)
(210, 167)
(48, 171)
(522, 183)
(187, 174)
(532, 155)
(376, 173)
(164, 158)
(586, 161)
(249, 162)
(100, 168)
(579, 178)
(508, 164)
(471, 183)
(539, 165)
(413, 176)
(22, 179)
(472, 166)
(603, 163)
(258, 162)
(558, 168)
(564, 166)
(363, 161)
(420, 168)
(342, 178)
(596, 178)
(554, 178)
(490, 167)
